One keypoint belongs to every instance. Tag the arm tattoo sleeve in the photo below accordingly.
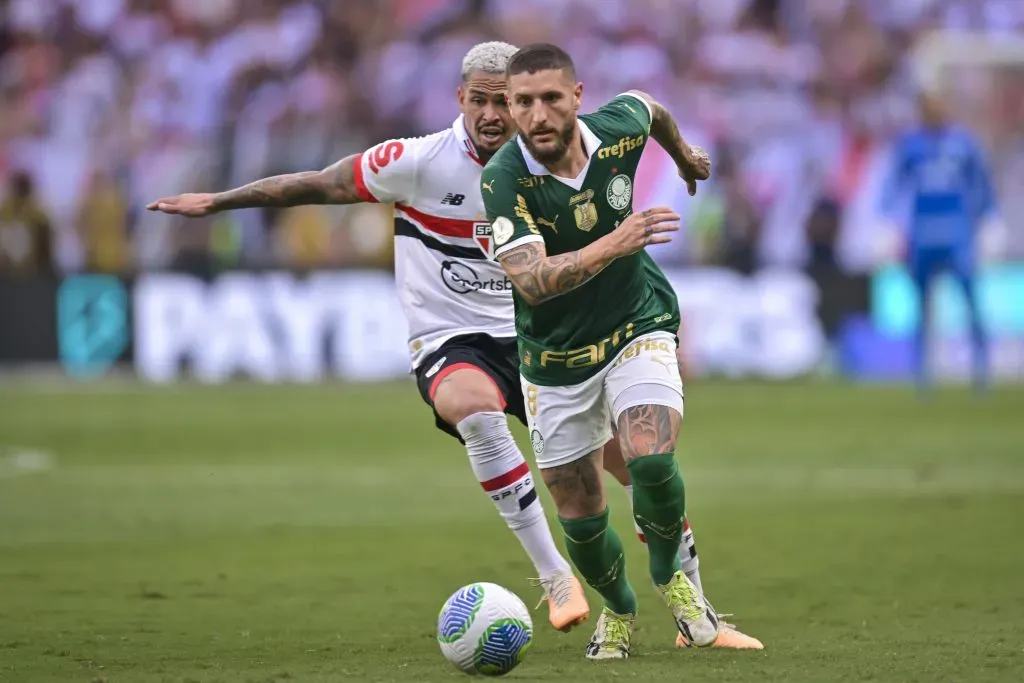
(539, 278)
(333, 185)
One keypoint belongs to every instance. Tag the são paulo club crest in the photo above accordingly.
(483, 235)
(491, 235)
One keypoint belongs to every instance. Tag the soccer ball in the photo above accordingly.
(484, 629)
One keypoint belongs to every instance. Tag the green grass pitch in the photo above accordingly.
(291, 534)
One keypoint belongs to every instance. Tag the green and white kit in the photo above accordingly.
(586, 354)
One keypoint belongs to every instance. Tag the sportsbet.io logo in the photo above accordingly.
(92, 324)
(462, 279)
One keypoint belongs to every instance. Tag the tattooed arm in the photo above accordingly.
(692, 162)
(333, 185)
(539, 277)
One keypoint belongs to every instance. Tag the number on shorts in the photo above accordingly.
(531, 400)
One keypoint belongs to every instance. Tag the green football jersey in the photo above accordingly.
(569, 338)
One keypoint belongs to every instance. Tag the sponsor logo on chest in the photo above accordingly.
(621, 148)
(462, 278)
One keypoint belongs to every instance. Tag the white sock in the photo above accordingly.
(503, 473)
(688, 558)
(636, 527)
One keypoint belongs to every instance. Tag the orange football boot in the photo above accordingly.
(567, 603)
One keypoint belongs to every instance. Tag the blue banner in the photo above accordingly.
(92, 324)
(880, 346)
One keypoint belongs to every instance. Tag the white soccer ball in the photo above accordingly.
(484, 629)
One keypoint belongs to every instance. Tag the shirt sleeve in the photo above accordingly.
(512, 223)
(631, 111)
(387, 172)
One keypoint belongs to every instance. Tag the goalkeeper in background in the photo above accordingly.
(940, 168)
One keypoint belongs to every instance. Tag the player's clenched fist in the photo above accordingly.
(194, 205)
(697, 166)
(646, 227)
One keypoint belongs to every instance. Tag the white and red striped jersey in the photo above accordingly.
(448, 281)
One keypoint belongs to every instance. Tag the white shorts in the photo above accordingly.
(567, 423)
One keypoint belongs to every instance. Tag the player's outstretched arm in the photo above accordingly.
(539, 277)
(693, 163)
(335, 184)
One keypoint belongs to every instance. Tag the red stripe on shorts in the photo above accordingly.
(463, 366)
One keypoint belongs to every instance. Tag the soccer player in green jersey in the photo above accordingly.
(596, 322)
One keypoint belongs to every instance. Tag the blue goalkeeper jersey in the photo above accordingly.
(943, 174)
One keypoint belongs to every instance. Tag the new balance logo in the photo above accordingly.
(453, 199)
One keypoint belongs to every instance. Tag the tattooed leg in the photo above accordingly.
(648, 437)
(593, 546)
(648, 430)
(577, 488)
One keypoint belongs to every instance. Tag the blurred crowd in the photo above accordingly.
(108, 104)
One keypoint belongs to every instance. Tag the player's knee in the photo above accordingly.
(653, 469)
(456, 405)
(584, 507)
(649, 417)
(577, 488)
(481, 428)
(585, 528)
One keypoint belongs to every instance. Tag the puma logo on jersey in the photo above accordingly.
(488, 186)
(550, 224)
(454, 199)
(437, 366)
(670, 363)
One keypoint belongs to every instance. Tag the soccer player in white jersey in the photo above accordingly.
(456, 298)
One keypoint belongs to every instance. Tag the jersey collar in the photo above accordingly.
(590, 139)
(463, 136)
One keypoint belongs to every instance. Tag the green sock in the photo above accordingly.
(596, 550)
(659, 506)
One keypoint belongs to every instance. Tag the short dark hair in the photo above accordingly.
(540, 57)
